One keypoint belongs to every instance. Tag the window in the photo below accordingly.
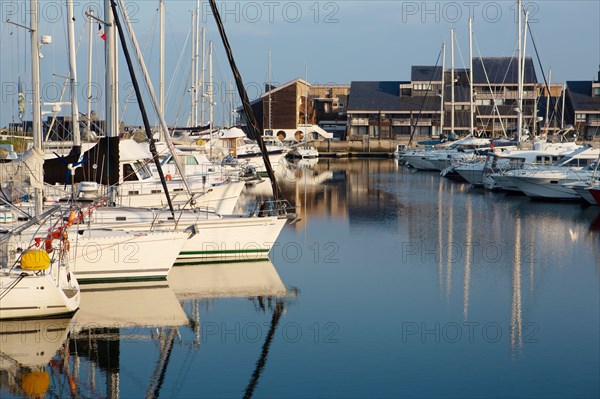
(422, 86)
(596, 91)
(581, 118)
(191, 160)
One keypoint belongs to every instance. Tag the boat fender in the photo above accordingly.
(168, 177)
(200, 143)
(35, 260)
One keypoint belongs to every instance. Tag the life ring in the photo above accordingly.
(168, 177)
(200, 143)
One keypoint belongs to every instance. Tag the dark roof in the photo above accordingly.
(501, 70)
(385, 96)
(426, 73)
(580, 93)
(374, 96)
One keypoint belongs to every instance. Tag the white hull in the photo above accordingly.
(105, 255)
(472, 173)
(216, 238)
(418, 161)
(542, 188)
(35, 296)
(503, 182)
(232, 239)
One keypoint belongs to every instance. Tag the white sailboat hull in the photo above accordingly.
(232, 239)
(113, 255)
(34, 296)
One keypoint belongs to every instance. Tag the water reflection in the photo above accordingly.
(27, 349)
(419, 249)
(92, 354)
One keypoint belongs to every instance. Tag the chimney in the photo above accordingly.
(598, 73)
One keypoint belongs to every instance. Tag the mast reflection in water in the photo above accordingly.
(411, 285)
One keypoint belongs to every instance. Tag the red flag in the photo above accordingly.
(101, 32)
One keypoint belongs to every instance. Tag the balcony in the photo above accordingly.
(359, 122)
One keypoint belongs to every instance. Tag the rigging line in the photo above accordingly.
(178, 66)
(254, 131)
(131, 92)
(138, 94)
(494, 104)
(549, 96)
(414, 127)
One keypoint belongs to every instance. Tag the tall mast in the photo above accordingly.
(89, 71)
(36, 104)
(548, 97)
(231, 120)
(197, 46)
(520, 77)
(270, 98)
(193, 109)
(210, 86)
(110, 73)
(161, 80)
(153, 96)
(442, 110)
(73, 76)
(306, 103)
(562, 116)
(452, 81)
(523, 59)
(471, 105)
(203, 66)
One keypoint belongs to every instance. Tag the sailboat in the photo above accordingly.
(36, 282)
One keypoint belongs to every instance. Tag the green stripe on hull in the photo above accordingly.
(212, 261)
(120, 279)
(224, 252)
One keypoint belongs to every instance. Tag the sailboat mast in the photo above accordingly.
(523, 59)
(210, 86)
(452, 81)
(548, 96)
(153, 98)
(519, 77)
(443, 88)
(73, 76)
(89, 71)
(269, 78)
(471, 105)
(231, 120)
(203, 67)
(161, 80)
(193, 109)
(36, 104)
(305, 101)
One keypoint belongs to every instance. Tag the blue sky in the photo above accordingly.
(339, 41)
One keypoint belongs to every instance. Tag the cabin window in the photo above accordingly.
(190, 160)
(134, 193)
(128, 173)
(156, 191)
(121, 218)
(142, 170)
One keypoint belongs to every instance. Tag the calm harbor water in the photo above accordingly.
(394, 284)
